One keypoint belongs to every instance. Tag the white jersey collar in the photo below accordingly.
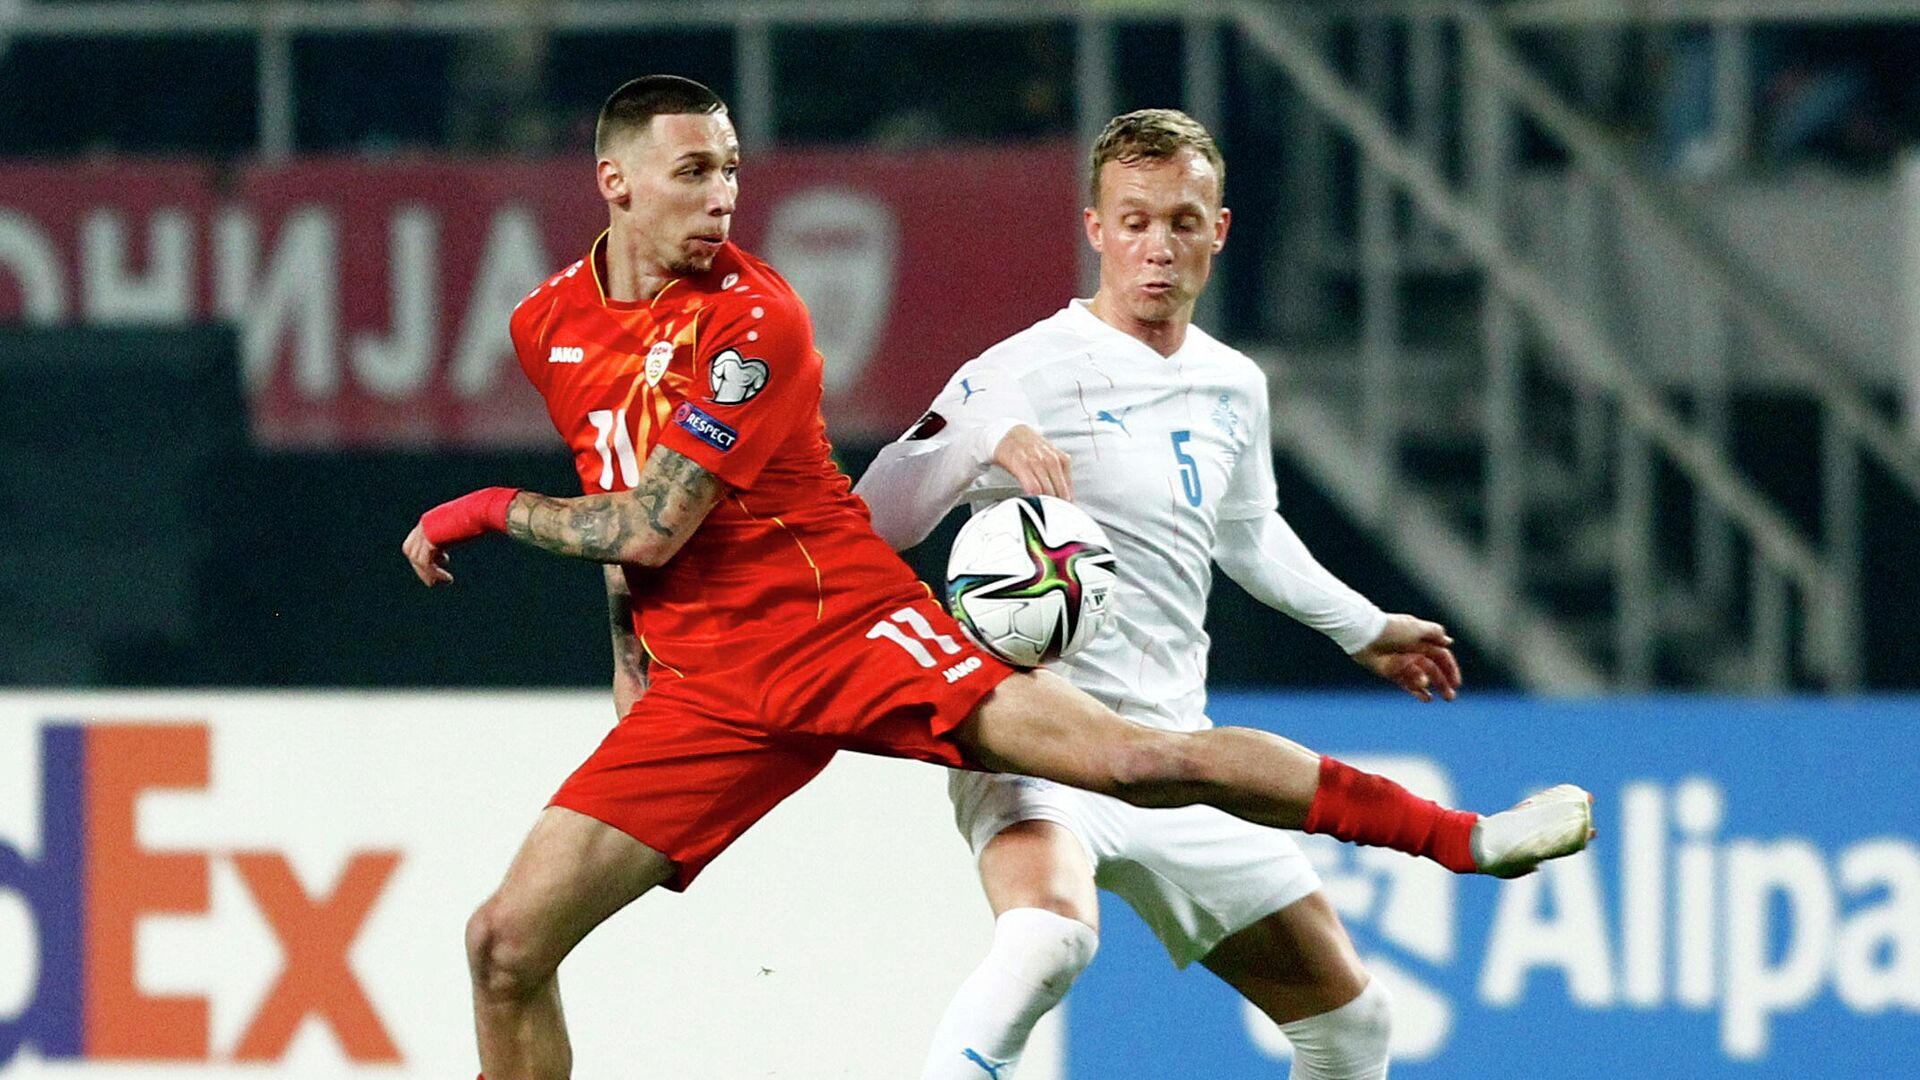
(1079, 314)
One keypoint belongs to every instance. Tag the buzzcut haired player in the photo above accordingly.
(778, 628)
(1161, 433)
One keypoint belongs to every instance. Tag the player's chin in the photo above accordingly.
(693, 262)
(1155, 307)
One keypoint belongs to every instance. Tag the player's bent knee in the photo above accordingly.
(1352, 1042)
(1044, 950)
(501, 955)
(1377, 1025)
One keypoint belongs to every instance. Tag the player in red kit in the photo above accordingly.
(778, 628)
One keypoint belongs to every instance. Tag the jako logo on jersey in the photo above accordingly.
(1749, 928)
(735, 378)
(962, 669)
(706, 428)
(92, 883)
(566, 354)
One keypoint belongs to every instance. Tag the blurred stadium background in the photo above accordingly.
(1593, 328)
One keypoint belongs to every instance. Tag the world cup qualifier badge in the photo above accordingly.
(734, 378)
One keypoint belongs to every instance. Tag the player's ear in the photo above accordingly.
(1091, 216)
(612, 181)
(1220, 222)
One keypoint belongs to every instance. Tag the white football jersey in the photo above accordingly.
(1164, 448)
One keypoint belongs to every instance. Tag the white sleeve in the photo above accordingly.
(1265, 557)
(916, 480)
(1251, 491)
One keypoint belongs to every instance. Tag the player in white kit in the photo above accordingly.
(1161, 433)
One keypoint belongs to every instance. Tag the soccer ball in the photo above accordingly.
(1030, 578)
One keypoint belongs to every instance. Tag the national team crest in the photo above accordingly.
(658, 358)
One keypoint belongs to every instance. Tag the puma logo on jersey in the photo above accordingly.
(566, 354)
(992, 1068)
(962, 669)
(1118, 420)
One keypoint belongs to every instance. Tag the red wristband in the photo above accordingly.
(468, 516)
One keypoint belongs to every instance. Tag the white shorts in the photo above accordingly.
(1197, 875)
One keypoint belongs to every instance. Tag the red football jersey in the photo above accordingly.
(719, 367)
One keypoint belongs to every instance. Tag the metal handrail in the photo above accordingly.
(1751, 295)
(1536, 14)
(1598, 361)
(477, 16)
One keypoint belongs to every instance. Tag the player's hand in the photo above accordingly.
(1416, 656)
(429, 563)
(1039, 467)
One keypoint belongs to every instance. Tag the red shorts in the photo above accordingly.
(702, 757)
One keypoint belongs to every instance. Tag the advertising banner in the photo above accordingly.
(372, 297)
(1750, 909)
(196, 887)
(207, 886)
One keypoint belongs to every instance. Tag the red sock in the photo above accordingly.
(1362, 808)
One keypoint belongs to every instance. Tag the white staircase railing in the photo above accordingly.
(1783, 556)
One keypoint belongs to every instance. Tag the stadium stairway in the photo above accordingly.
(1597, 525)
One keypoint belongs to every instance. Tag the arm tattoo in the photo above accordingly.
(628, 657)
(671, 499)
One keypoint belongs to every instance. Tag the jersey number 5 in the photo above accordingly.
(611, 438)
(1189, 468)
(918, 623)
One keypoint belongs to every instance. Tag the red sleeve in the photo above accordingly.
(756, 377)
(523, 328)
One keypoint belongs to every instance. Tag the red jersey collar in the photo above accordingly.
(727, 261)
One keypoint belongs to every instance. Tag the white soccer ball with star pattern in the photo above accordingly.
(1030, 579)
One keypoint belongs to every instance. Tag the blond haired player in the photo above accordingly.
(1161, 433)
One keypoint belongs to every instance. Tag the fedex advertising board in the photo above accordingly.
(205, 886)
(372, 297)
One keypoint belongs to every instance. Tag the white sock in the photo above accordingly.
(1035, 957)
(1347, 1043)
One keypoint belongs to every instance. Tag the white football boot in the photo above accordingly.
(1546, 825)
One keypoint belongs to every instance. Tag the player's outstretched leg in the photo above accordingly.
(571, 873)
(1038, 724)
(1040, 885)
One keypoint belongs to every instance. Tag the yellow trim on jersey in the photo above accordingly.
(819, 588)
(593, 262)
(655, 659)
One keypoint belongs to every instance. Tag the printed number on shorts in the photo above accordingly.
(918, 623)
(610, 426)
